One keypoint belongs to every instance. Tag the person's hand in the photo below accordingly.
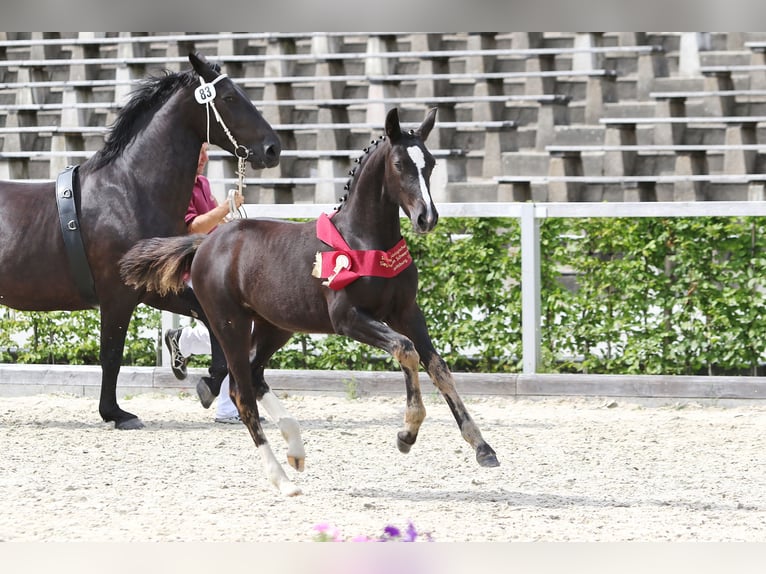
(239, 199)
(234, 201)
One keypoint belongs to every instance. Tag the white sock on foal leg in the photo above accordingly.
(289, 427)
(275, 472)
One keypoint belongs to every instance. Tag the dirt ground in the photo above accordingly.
(571, 470)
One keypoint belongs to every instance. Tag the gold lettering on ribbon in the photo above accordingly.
(396, 258)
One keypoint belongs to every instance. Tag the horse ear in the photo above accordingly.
(202, 66)
(427, 125)
(393, 130)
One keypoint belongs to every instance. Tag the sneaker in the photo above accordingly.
(177, 360)
(229, 420)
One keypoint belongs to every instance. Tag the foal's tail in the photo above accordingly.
(160, 264)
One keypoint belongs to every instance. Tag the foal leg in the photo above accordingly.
(363, 328)
(233, 332)
(267, 340)
(413, 325)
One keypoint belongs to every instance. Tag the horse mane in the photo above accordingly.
(351, 184)
(151, 93)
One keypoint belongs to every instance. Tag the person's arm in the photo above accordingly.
(205, 222)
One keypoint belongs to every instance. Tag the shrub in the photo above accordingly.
(619, 295)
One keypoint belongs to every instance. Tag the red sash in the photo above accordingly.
(345, 265)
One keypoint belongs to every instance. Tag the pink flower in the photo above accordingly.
(327, 533)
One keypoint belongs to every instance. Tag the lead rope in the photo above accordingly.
(205, 94)
(234, 211)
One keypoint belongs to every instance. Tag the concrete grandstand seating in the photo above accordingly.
(514, 107)
(675, 187)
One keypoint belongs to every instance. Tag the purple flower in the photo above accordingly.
(329, 533)
(411, 534)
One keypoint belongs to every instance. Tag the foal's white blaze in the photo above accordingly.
(417, 157)
(289, 428)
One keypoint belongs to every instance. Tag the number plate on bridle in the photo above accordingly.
(205, 93)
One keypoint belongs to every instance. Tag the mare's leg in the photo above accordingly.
(115, 318)
(267, 340)
(232, 327)
(414, 326)
(360, 326)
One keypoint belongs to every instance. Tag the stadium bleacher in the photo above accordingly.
(566, 116)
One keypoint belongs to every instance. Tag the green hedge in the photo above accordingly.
(72, 337)
(673, 296)
(642, 295)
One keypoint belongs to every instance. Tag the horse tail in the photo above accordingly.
(160, 264)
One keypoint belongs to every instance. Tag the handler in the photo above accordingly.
(203, 216)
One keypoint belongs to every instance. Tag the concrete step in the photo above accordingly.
(630, 110)
(471, 191)
(525, 162)
(678, 84)
(581, 134)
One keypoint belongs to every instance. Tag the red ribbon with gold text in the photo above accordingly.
(345, 265)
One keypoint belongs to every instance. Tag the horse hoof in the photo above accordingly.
(206, 396)
(289, 489)
(404, 442)
(297, 463)
(486, 457)
(129, 424)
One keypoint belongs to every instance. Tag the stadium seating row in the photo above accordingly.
(522, 115)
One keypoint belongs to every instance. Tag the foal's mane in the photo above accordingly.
(351, 184)
(151, 94)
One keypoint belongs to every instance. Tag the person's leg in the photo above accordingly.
(225, 410)
(185, 342)
(194, 340)
(178, 361)
(197, 340)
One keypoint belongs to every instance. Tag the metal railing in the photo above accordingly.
(530, 215)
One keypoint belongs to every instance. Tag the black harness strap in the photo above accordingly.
(66, 191)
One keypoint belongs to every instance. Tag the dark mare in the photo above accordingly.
(137, 186)
(259, 273)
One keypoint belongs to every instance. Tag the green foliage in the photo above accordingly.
(72, 337)
(672, 296)
(632, 295)
(470, 271)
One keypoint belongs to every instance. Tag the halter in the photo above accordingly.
(206, 94)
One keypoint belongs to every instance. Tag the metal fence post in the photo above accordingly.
(530, 289)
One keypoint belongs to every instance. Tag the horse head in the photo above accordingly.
(232, 121)
(408, 172)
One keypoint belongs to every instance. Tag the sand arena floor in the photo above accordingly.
(571, 470)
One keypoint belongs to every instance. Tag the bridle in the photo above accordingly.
(205, 95)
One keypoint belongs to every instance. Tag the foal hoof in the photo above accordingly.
(297, 463)
(486, 457)
(289, 489)
(129, 424)
(404, 441)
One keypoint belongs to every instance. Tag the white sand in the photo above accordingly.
(571, 470)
